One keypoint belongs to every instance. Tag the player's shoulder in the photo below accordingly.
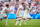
(5, 7)
(20, 5)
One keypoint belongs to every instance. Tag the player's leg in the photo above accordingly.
(17, 21)
(0, 19)
(27, 20)
(5, 16)
(21, 20)
(6, 20)
(1, 16)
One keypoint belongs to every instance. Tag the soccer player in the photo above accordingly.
(5, 11)
(19, 13)
(27, 11)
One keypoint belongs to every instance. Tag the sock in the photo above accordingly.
(26, 20)
(20, 22)
(17, 22)
(6, 21)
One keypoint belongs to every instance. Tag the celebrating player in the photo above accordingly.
(5, 11)
(19, 13)
(27, 11)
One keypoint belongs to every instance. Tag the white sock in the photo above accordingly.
(26, 20)
(6, 21)
(20, 22)
(17, 22)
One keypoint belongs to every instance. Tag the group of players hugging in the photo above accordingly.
(5, 10)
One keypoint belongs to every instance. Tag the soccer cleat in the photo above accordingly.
(20, 24)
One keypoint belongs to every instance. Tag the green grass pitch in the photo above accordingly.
(11, 23)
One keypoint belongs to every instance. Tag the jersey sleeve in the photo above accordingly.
(5, 8)
(31, 8)
(20, 6)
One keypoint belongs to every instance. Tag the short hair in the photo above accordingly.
(22, 3)
(7, 5)
(29, 3)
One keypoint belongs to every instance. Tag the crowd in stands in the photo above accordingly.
(14, 4)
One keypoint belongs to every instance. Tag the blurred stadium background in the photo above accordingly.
(14, 4)
(35, 13)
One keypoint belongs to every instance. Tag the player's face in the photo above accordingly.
(23, 4)
(7, 6)
(29, 4)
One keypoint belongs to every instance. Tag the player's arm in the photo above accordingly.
(26, 7)
(6, 11)
(31, 9)
(18, 11)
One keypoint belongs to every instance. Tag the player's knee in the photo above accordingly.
(1, 19)
(23, 19)
(5, 17)
(30, 18)
(18, 20)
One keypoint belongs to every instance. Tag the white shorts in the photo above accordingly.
(27, 16)
(3, 15)
(20, 17)
(19, 14)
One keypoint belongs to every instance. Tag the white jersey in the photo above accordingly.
(26, 14)
(3, 14)
(3, 10)
(20, 6)
(28, 9)
(13, 10)
(20, 12)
